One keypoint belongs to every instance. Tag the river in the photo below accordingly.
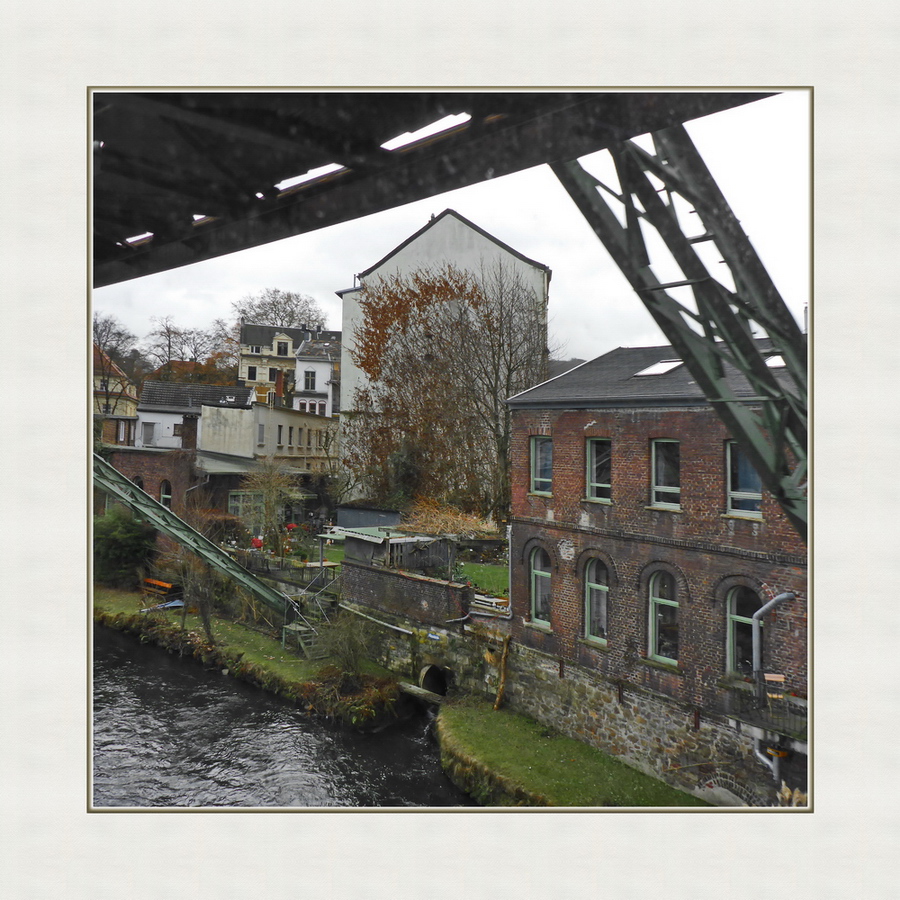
(168, 733)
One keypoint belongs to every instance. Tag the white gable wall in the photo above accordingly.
(448, 241)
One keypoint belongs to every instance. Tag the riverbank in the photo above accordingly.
(498, 758)
(253, 656)
(501, 758)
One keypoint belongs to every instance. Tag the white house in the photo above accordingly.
(317, 380)
(168, 411)
(448, 239)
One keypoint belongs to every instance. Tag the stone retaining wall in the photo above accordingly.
(652, 733)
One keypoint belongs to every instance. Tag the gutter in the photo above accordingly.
(770, 762)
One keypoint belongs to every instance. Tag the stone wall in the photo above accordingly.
(703, 755)
(416, 597)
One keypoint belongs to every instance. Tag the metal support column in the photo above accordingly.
(714, 337)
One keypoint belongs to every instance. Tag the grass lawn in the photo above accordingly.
(257, 648)
(492, 580)
(543, 762)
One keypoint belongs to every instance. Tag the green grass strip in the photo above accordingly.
(536, 766)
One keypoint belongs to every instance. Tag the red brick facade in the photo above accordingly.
(707, 551)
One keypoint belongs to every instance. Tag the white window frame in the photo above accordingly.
(736, 496)
(735, 621)
(165, 496)
(598, 491)
(279, 345)
(260, 433)
(656, 603)
(538, 585)
(309, 380)
(658, 490)
(541, 484)
(594, 589)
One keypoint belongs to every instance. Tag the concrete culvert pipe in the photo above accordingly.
(435, 679)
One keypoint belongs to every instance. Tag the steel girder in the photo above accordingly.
(715, 339)
(114, 483)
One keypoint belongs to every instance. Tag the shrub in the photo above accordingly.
(123, 547)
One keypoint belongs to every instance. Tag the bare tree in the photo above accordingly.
(443, 349)
(275, 485)
(113, 342)
(283, 309)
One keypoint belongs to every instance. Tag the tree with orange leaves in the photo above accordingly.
(442, 350)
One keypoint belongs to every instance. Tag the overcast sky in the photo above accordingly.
(758, 153)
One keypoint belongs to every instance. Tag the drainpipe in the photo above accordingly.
(770, 762)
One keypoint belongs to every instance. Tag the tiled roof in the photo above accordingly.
(177, 397)
(612, 379)
(262, 335)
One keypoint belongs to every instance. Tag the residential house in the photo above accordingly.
(317, 382)
(225, 435)
(115, 400)
(651, 568)
(447, 239)
(267, 358)
(169, 412)
(298, 439)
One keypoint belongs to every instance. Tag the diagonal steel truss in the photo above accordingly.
(161, 517)
(715, 337)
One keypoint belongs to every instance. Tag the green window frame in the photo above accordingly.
(599, 469)
(541, 586)
(165, 493)
(741, 602)
(665, 491)
(596, 600)
(744, 484)
(664, 618)
(542, 465)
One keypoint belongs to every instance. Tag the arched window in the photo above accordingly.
(540, 586)
(596, 594)
(663, 618)
(742, 603)
(138, 481)
(165, 493)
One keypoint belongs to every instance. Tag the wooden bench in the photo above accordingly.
(161, 590)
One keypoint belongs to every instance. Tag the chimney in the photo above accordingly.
(189, 431)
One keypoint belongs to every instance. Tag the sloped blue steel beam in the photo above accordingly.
(771, 425)
(114, 483)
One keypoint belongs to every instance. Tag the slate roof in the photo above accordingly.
(262, 335)
(328, 350)
(612, 380)
(173, 396)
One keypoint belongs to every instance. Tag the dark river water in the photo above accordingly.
(168, 733)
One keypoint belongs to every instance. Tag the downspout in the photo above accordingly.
(770, 762)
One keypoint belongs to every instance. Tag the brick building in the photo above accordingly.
(642, 543)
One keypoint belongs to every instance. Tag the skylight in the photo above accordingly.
(139, 237)
(311, 175)
(448, 122)
(660, 368)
